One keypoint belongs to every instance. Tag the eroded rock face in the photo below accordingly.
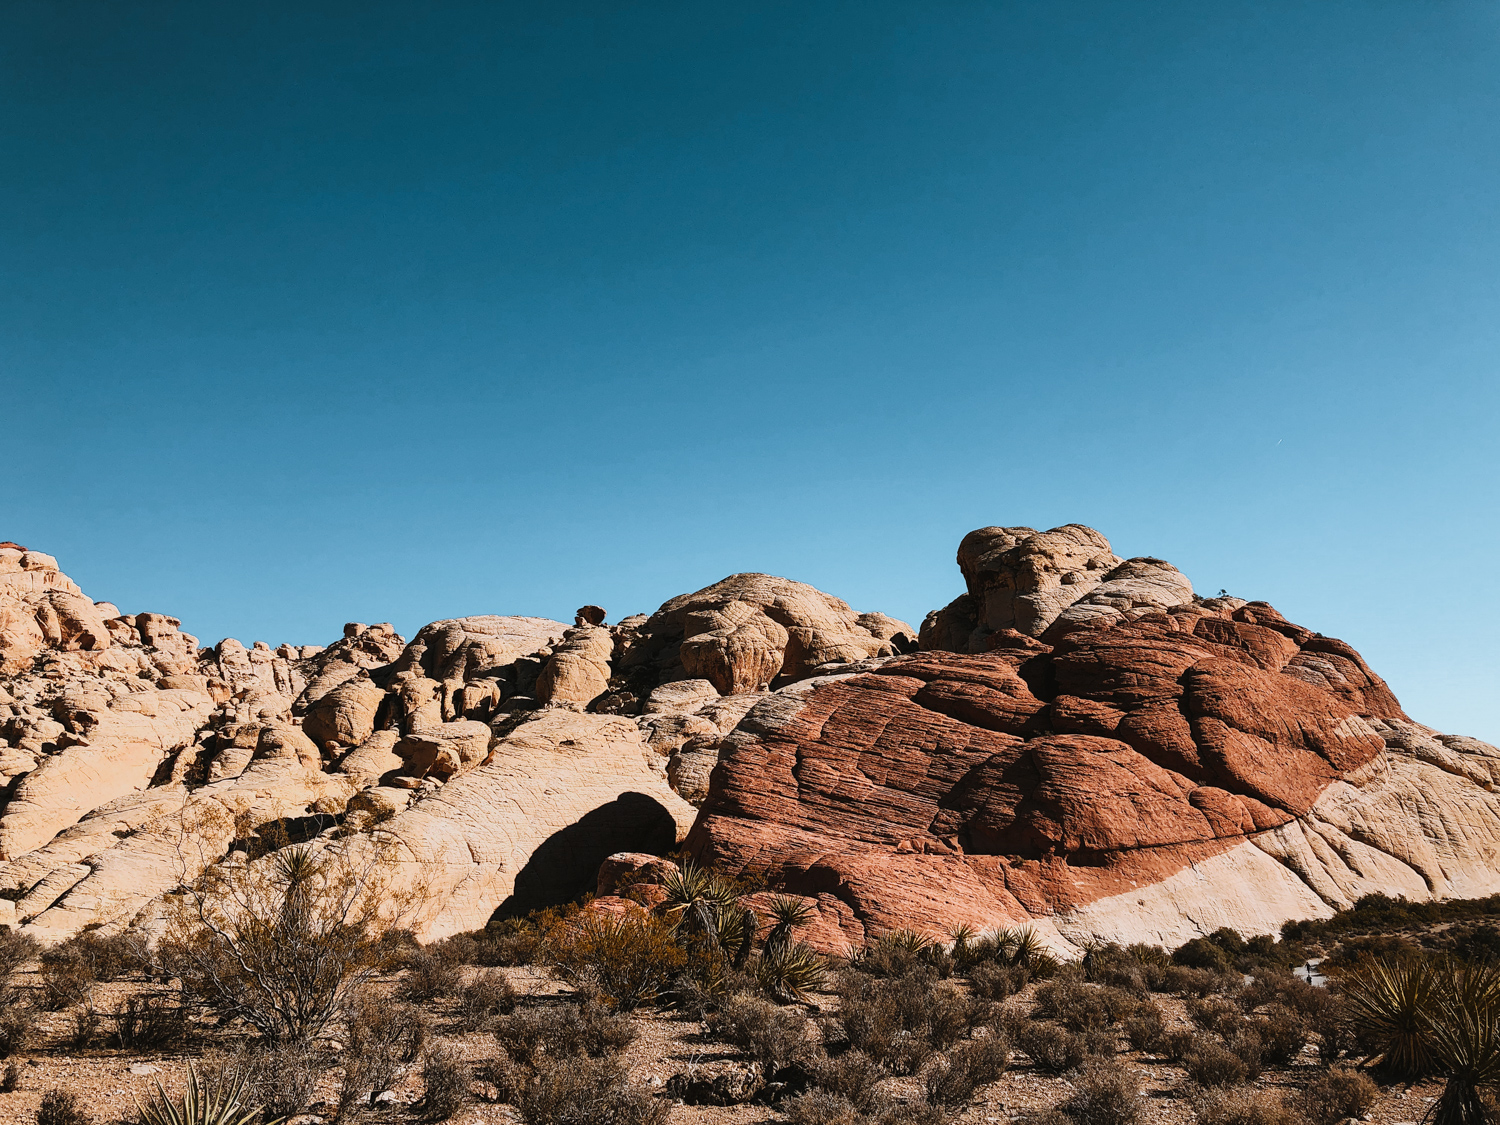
(133, 758)
(1120, 765)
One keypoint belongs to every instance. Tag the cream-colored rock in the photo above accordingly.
(749, 629)
(1135, 584)
(41, 608)
(123, 751)
(578, 669)
(679, 697)
(559, 794)
(444, 750)
(344, 716)
(372, 759)
(465, 647)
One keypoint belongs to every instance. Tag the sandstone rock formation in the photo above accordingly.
(1077, 740)
(492, 754)
(1086, 745)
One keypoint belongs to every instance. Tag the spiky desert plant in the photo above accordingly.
(1390, 1004)
(791, 972)
(786, 915)
(218, 1101)
(1463, 1038)
(705, 910)
(962, 936)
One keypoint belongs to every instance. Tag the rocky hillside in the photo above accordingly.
(1076, 739)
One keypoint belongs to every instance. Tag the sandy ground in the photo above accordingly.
(108, 1081)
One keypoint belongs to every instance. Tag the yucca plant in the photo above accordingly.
(786, 915)
(216, 1101)
(962, 936)
(705, 909)
(1390, 1006)
(1463, 1038)
(790, 972)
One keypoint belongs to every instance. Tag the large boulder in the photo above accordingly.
(1131, 770)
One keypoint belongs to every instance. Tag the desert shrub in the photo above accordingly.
(71, 969)
(10, 1081)
(84, 1026)
(1282, 1034)
(16, 949)
(898, 953)
(853, 1076)
(1104, 1093)
(1216, 1014)
(1076, 1005)
(1241, 1105)
(991, 981)
(283, 942)
(1146, 1029)
(149, 1020)
(1051, 1047)
(17, 1020)
(952, 1080)
(1210, 1063)
(383, 1040)
(565, 1031)
(587, 1092)
(912, 1113)
(1193, 982)
(429, 977)
(60, 1107)
(770, 1035)
(1202, 953)
(822, 1107)
(485, 997)
(1336, 1094)
(1328, 1019)
(280, 1077)
(446, 1076)
(624, 960)
(900, 1020)
(1178, 1043)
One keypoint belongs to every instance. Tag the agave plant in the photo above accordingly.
(1390, 1006)
(1463, 1038)
(215, 1101)
(705, 908)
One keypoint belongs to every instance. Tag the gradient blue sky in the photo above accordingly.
(323, 312)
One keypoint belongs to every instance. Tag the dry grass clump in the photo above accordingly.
(1336, 1094)
(60, 1107)
(565, 1031)
(952, 1079)
(149, 1021)
(488, 996)
(1241, 1105)
(586, 1092)
(446, 1078)
(853, 1076)
(772, 1036)
(1104, 1093)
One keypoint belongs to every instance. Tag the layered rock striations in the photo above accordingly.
(1085, 744)
(1077, 741)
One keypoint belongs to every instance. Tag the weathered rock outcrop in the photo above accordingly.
(1103, 758)
(1077, 740)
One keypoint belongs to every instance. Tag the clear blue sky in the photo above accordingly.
(388, 311)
